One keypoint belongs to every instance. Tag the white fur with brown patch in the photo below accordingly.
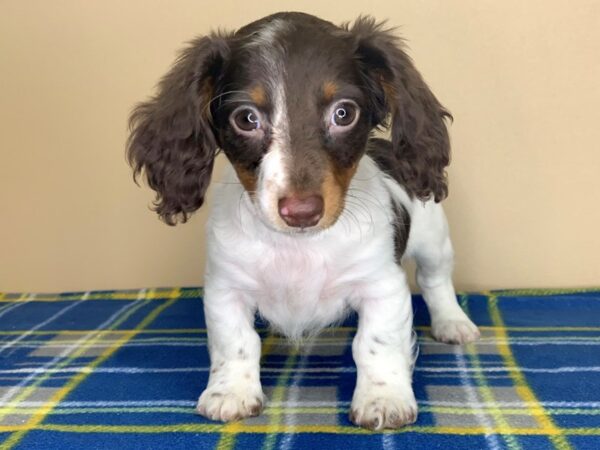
(305, 281)
(302, 282)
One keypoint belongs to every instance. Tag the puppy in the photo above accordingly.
(315, 215)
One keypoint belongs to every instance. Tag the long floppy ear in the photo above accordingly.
(171, 140)
(420, 139)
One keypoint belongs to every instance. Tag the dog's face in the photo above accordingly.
(291, 100)
(293, 119)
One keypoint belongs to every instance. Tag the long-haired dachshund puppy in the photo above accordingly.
(317, 215)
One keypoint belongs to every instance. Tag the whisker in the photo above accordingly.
(217, 97)
(347, 215)
(366, 214)
(240, 210)
(375, 201)
(361, 203)
(227, 182)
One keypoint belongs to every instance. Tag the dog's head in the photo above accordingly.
(291, 100)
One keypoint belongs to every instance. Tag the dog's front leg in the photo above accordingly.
(383, 353)
(234, 390)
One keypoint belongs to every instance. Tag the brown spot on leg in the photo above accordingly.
(378, 340)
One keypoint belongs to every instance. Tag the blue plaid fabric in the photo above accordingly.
(122, 369)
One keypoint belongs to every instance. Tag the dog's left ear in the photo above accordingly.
(419, 135)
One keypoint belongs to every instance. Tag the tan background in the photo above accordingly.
(522, 79)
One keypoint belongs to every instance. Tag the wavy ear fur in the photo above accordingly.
(171, 140)
(420, 139)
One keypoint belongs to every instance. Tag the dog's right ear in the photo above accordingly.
(172, 141)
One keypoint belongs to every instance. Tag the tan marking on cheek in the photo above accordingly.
(247, 178)
(334, 187)
(329, 90)
(258, 95)
(332, 199)
(344, 175)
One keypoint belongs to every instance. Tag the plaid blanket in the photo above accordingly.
(122, 369)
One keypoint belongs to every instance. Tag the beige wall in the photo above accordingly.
(522, 79)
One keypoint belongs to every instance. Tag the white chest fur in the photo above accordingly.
(300, 289)
(298, 282)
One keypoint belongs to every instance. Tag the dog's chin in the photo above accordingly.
(323, 225)
(300, 231)
(279, 226)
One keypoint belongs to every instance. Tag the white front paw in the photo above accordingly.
(382, 407)
(220, 403)
(454, 331)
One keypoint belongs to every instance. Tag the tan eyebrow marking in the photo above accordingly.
(258, 95)
(329, 90)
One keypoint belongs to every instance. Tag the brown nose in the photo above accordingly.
(301, 211)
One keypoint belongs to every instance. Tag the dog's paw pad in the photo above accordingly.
(455, 331)
(383, 412)
(228, 406)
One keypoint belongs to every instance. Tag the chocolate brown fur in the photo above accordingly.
(176, 134)
(420, 149)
